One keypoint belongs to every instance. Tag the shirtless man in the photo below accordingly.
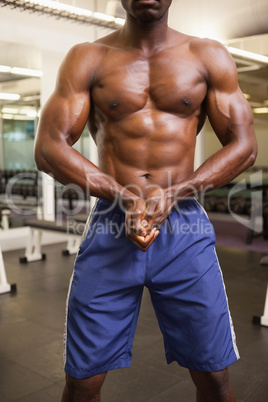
(145, 91)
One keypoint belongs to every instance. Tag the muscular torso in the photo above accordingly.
(145, 115)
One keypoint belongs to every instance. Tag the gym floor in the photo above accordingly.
(31, 327)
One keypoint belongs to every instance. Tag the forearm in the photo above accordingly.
(68, 166)
(216, 171)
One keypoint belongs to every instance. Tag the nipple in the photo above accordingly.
(187, 101)
(114, 104)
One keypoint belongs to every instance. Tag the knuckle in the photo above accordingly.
(149, 214)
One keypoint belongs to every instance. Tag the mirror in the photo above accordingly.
(20, 71)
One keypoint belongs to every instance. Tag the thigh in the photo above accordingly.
(189, 298)
(103, 302)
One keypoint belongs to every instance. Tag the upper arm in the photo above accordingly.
(227, 109)
(66, 112)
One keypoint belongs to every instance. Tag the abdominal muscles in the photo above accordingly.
(147, 149)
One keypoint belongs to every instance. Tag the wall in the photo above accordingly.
(221, 19)
(261, 128)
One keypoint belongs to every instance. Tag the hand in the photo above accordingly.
(158, 206)
(134, 225)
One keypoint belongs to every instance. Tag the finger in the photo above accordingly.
(155, 225)
(134, 224)
(143, 243)
(155, 203)
(152, 240)
(144, 223)
(150, 211)
(135, 229)
(153, 215)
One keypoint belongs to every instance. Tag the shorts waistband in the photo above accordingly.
(109, 206)
(115, 207)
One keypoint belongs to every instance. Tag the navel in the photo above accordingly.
(147, 176)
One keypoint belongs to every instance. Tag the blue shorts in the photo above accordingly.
(182, 273)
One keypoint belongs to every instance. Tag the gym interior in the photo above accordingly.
(42, 220)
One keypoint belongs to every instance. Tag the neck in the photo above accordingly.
(146, 36)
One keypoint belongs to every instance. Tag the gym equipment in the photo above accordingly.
(4, 221)
(263, 320)
(210, 203)
(73, 229)
(5, 287)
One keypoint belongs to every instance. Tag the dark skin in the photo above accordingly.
(145, 92)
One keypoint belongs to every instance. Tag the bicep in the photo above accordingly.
(65, 114)
(63, 118)
(61, 124)
(229, 114)
(227, 109)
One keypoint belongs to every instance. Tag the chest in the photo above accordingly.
(168, 82)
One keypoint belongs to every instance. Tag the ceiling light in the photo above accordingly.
(5, 69)
(104, 17)
(29, 72)
(30, 112)
(65, 11)
(27, 112)
(56, 5)
(26, 71)
(31, 98)
(10, 110)
(260, 110)
(8, 116)
(247, 55)
(7, 96)
(119, 21)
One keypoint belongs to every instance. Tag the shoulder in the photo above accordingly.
(209, 52)
(83, 53)
(215, 58)
(91, 54)
(209, 49)
(80, 63)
